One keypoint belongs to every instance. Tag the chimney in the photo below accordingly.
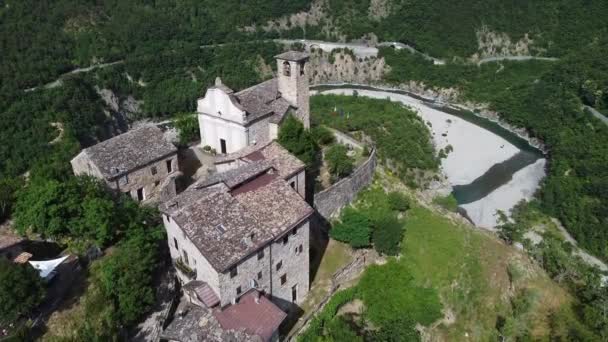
(218, 81)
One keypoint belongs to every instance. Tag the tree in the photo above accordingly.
(21, 290)
(353, 228)
(338, 162)
(8, 188)
(80, 207)
(187, 127)
(297, 140)
(388, 233)
(126, 275)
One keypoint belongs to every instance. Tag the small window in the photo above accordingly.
(286, 69)
(285, 239)
(260, 275)
(238, 290)
(186, 258)
(157, 183)
(168, 218)
(153, 170)
(140, 194)
(261, 254)
(175, 243)
(283, 279)
(169, 166)
(302, 69)
(295, 231)
(233, 272)
(300, 248)
(293, 185)
(279, 265)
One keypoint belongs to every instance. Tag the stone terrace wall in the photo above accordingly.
(334, 198)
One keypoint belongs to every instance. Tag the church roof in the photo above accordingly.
(284, 162)
(129, 151)
(261, 100)
(237, 212)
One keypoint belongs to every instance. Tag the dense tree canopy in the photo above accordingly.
(21, 290)
(297, 140)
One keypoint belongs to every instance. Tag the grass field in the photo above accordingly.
(460, 283)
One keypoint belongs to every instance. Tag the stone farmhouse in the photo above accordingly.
(141, 163)
(230, 121)
(240, 238)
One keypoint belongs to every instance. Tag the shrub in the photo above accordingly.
(315, 328)
(338, 162)
(398, 201)
(388, 234)
(448, 202)
(21, 290)
(400, 329)
(354, 228)
(322, 135)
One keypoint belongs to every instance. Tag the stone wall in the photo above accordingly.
(334, 198)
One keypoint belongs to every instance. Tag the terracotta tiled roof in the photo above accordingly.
(231, 218)
(204, 292)
(195, 324)
(129, 151)
(254, 313)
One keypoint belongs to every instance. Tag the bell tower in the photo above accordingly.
(293, 82)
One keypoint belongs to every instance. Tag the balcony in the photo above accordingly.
(185, 269)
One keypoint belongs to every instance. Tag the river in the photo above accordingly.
(490, 167)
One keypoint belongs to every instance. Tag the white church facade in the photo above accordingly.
(230, 121)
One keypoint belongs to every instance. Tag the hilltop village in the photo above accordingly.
(238, 237)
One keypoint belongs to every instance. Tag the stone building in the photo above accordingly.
(140, 162)
(245, 228)
(230, 121)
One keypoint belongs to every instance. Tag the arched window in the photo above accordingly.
(286, 69)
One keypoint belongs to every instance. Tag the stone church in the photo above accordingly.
(230, 121)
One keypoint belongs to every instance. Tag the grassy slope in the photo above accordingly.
(476, 277)
(470, 270)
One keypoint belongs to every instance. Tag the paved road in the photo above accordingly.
(516, 58)
(597, 114)
(58, 81)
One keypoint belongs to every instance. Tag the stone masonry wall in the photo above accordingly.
(334, 198)
(294, 264)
